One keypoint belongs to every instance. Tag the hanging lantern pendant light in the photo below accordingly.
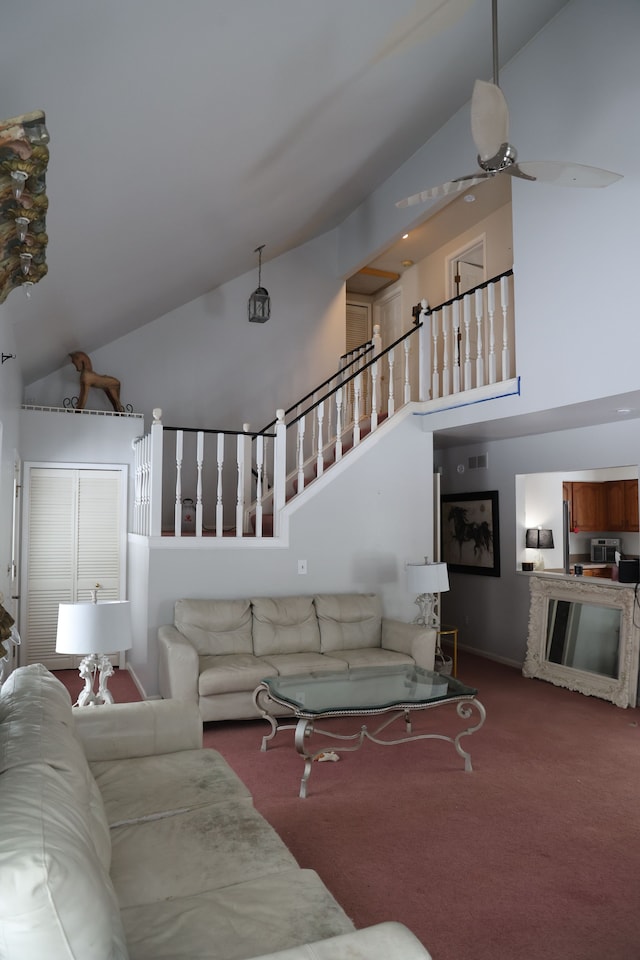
(259, 301)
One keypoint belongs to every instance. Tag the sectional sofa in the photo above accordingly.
(216, 652)
(121, 837)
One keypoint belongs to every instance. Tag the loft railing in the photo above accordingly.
(239, 481)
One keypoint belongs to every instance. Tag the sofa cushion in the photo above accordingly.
(288, 664)
(143, 787)
(237, 921)
(232, 674)
(215, 626)
(202, 849)
(284, 625)
(370, 657)
(348, 621)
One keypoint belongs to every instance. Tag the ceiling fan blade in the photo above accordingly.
(444, 190)
(489, 119)
(568, 174)
(426, 21)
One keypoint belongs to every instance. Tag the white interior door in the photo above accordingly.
(388, 313)
(74, 536)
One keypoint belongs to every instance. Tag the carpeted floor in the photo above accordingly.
(536, 854)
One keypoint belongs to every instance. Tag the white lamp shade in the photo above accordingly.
(102, 627)
(427, 578)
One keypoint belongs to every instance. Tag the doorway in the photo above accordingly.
(466, 268)
(74, 532)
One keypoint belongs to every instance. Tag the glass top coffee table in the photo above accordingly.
(362, 692)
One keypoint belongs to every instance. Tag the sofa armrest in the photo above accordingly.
(118, 731)
(178, 665)
(384, 941)
(412, 639)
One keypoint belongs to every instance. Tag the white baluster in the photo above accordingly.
(259, 472)
(446, 389)
(357, 394)
(138, 446)
(154, 468)
(456, 346)
(279, 471)
(374, 396)
(240, 466)
(219, 466)
(479, 353)
(491, 309)
(407, 380)
(300, 453)
(320, 452)
(468, 384)
(391, 405)
(338, 424)
(504, 304)
(177, 519)
(199, 462)
(435, 378)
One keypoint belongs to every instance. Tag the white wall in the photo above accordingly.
(492, 612)
(355, 533)
(10, 399)
(205, 365)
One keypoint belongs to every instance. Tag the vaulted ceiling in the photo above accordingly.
(184, 134)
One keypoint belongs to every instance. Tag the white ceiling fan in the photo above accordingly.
(496, 156)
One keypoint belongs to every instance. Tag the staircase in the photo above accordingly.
(238, 482)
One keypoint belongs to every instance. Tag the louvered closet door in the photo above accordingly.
(73, 542)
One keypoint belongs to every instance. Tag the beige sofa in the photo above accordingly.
(216, 652)
(121, 837)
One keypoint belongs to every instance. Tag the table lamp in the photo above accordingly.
(538, 539)
(93, 630)
(427, 579)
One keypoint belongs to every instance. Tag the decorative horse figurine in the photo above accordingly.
(101, 381)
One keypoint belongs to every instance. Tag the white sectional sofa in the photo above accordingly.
(216, 652)
(121, 837)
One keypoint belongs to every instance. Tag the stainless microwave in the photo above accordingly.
(603, 550)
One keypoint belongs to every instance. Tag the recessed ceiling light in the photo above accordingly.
(469, 198)
(405, 236)
(624, 410)
(407, 263)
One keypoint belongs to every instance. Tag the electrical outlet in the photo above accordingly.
(302, 567)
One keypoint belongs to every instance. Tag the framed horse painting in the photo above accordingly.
(470, 532)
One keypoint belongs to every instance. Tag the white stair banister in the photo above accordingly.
(259, 476)
(154, 469)
(319, 439)
(456, 346)
(338, 424)
(435, 377)
(199, 462)
(177, 518)
(466, 313)
(423, 353)
(357, 396)
(391, 405)
(504, 305)
(446, 387)
(300, 453)
(279, 471)
(479, 350)
(219, 504)
(491, 309)
(406, 343)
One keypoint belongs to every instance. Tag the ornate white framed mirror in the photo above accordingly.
(582, 636)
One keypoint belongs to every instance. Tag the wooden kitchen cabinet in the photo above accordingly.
(631, 505)
(588, 506)
(610, 507)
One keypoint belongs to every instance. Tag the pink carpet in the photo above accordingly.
(533, 856)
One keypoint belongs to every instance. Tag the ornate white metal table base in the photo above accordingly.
(89, 666)
(304, 728)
